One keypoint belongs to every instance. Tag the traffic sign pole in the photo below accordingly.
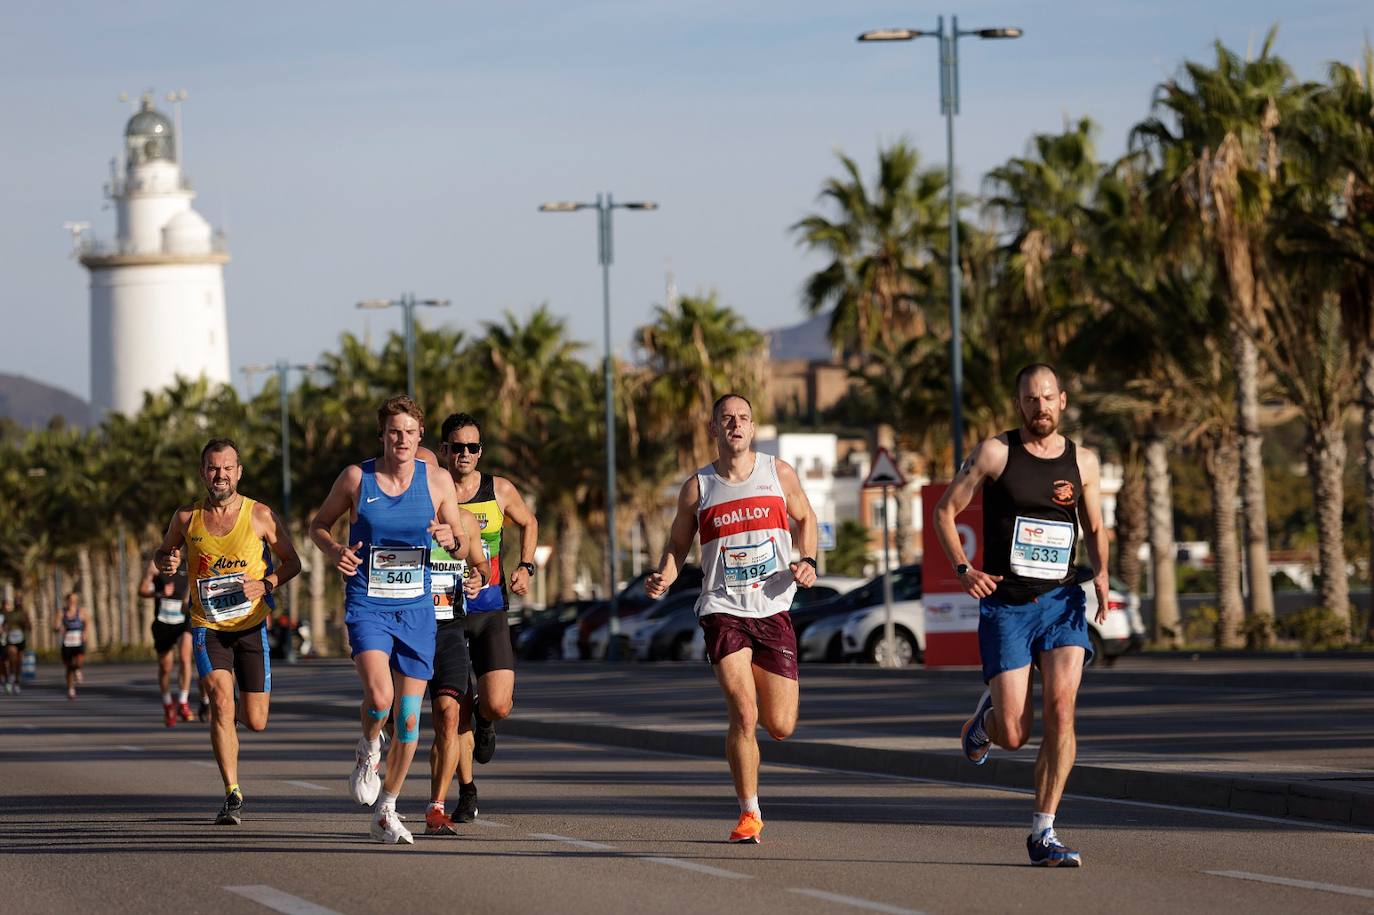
(889, 634)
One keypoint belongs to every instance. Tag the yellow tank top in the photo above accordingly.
(218, 566)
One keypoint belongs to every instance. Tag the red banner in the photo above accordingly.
(951, 614)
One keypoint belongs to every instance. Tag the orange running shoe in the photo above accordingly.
(438, 823)
(184, 711)
(169, 714)
(748, 828)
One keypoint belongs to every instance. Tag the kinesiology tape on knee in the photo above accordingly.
(378, 714)
(409, 731)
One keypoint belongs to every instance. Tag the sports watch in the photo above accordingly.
(527, 566)
(961, 569)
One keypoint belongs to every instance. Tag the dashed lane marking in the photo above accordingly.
(854, 901)
(310, 785)
(277, 901)
(700, 868)
(576, 843)
(1297, 884)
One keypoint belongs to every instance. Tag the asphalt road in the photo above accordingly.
(103, 809)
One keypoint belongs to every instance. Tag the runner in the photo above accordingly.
(1037, 488)
(17, 627)
(227, 537)
(72, 625)
(6, 608)
(494, 501)
(392, 504)
(740, 504)
(171, 639)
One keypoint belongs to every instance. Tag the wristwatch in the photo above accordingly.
(810, 560)
(266, 586)
(961, 569)
(527, 566)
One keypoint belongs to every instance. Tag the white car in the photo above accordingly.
(827, 587)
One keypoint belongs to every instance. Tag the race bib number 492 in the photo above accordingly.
(1042, 549)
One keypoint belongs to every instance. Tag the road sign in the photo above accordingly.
(884, 472)
(825, 539)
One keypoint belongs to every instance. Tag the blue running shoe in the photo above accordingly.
(975, 740)
(1048, 851)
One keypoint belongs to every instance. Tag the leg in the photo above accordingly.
(735, 674)
(219, 686)
(496, 689)
(374, 670)
(1062, 671)
(443, 753)
(779, 698)
(164, 670)
(409, 692)
(1009, 725)
(465, 740)
(184, 656)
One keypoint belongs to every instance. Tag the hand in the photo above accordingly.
(168, 561)
(520, 581)
(803, 573)
(978, 583)
(346, 559)
(657, 584)
(1100, 585)
(254, 589)
(473, 583)
(442, 534)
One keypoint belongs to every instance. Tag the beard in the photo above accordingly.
(220, 497)
(1042, 425)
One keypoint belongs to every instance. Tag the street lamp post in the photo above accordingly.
(949, 107)
(407, 303)
(604, 205)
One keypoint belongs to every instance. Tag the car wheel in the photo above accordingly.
(834, 649)
(682, 647)
(876, 653)
(1100, 658)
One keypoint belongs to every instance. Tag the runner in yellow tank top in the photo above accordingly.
(226, 538)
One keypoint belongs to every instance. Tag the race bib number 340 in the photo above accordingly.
(747, 566)
(1042, 549)
(397, 573)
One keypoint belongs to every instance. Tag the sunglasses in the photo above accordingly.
(457, 447)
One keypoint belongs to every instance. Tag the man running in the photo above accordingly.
(740, 505)
(17, 627)
(464, 717)
(1037, 488)
(171, 634)
(72, 626)
(6, 608)
(395, 508)
(227, 537)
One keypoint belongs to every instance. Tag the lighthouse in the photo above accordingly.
(157, 290)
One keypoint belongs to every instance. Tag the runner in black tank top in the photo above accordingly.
(1038, 487)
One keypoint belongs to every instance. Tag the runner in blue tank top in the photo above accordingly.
(394, 507)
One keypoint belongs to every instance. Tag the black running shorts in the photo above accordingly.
(243, 652)
(451, 662)
(166, 635)
(489, 641)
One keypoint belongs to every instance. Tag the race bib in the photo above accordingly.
(222, 598)
(15, 636)
(444, 576)
(1042, 549)
(73, 638)
(170, 611)
(746, 567)
(396, 573)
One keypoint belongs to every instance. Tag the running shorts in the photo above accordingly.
(489, 641)
(407, 637)
(771, 638)
(452, 666)
(1011, 636)
(166, 635)
(71, 653)
(243, 653)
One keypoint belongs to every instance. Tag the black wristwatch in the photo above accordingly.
(527, 566)
(961, 569)
(808, 559)
(266, 586)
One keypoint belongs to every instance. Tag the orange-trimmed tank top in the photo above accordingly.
(217, 568)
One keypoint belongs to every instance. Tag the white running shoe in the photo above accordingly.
(388, 829)
(365, 783)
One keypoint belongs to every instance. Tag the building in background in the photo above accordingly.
(157, 290)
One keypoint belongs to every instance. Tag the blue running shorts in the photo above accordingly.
(1011, 636)
(407, 636)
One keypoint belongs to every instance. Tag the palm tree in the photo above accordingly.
(1213, 135)
(884, 248)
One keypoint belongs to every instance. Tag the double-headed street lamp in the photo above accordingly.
(949, 107)
(407, 303)
(604, 205)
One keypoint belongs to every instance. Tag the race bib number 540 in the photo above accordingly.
(1042, 549)
(397, 573)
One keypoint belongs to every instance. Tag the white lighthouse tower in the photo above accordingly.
(157, 292)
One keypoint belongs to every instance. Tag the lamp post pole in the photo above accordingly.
(407, 303)
(604, 205)
(949, 107)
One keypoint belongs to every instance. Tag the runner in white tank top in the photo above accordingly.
(743, 505)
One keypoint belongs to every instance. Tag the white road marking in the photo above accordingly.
(700, 868)
(29, 727)
(278, 901)
(207, 765)
(131, 749)
(311, 785)
(578, 843)
(854, 901)
(1299, 884)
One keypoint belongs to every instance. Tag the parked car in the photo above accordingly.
(668, 635)
(818, 627)
(832, 591)
(632, 601)
(631, 627)
(541, 636)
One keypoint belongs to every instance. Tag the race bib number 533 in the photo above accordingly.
(1042, 549)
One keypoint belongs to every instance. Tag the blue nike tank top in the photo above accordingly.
(394, 530)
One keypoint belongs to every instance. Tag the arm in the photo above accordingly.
(339, 500)
(473, 554)
(168, 555)
(988, 460)
(145, 587)
(270, 528)
(514, 508)
(800, 511)
(1094, 531)
(679, 540)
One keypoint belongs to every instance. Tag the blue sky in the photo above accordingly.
(355, 151)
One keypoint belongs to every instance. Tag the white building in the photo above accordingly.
(157, 291)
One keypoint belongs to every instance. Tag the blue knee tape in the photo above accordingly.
(378, 714)
(409, 731)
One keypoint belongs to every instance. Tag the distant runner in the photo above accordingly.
(741, 505)
(71, 626)
(171, 639)
(17, 628)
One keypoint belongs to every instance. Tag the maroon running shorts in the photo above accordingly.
(772, 639)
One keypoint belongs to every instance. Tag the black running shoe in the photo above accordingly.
(231, 814)
(467, 803)
(483, 738)
(204, 713)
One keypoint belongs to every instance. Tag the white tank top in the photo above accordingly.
(746, 543)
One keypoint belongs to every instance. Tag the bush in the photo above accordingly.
(1258, 632)
(1196, 581)
(1200, 625)
(1315, 627)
